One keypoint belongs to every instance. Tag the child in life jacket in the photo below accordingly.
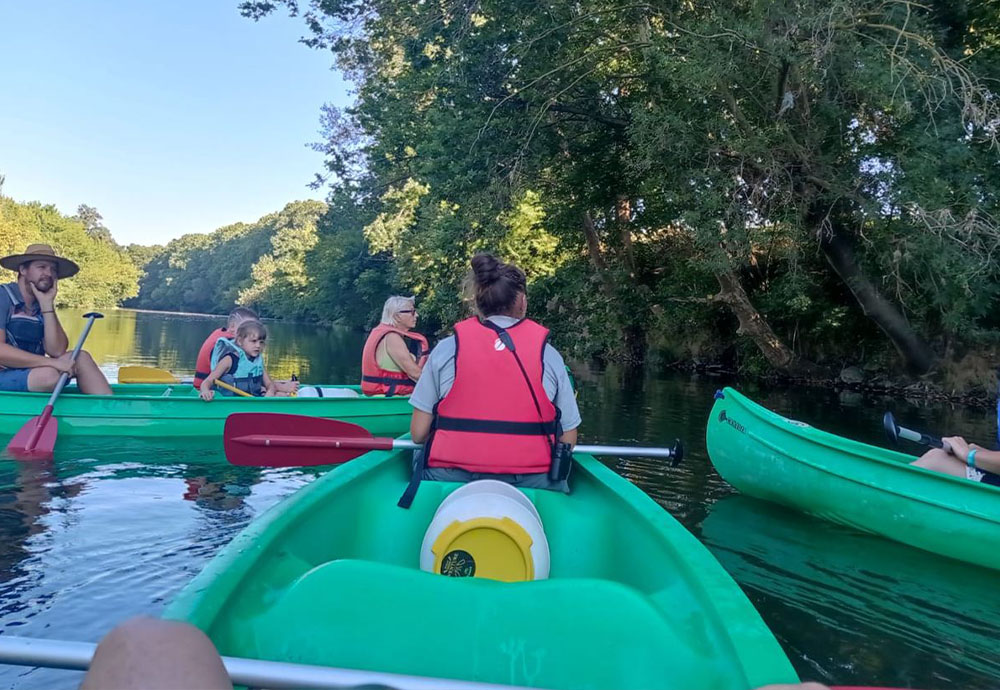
(239, 362)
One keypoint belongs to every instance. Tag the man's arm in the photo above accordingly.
(15, 358)
(55, 341)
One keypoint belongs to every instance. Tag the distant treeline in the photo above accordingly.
(293, 264)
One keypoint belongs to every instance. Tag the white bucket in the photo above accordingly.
(486, 528)
(326, 392)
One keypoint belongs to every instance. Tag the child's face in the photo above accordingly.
(252, 344)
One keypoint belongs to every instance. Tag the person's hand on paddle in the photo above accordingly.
(206, 392)
(289, 387)
(64, 364)
(959, 446)
(45, 294)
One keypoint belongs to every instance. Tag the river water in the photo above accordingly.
(104, 533)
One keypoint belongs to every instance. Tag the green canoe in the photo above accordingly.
(331, 577)
(176, 412)
(874, 489)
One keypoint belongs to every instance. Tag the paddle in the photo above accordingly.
(37, 438)
(261, 439)
(153, 375)
(232, 389)
(254, 673)
(141, 374)
(896, 432)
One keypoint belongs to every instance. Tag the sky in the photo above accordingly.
(168, 117)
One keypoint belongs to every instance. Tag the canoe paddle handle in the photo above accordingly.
(63, 380)
(895, 432)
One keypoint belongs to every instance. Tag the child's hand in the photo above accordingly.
(287, 387)
(205, 392)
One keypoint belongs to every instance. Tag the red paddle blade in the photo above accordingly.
(32, 442)
(261, 439)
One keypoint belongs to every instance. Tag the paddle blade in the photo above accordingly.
(890, 427)
(145, 375)
(261, 439)
(32, 442)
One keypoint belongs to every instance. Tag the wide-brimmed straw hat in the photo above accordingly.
(41, 252)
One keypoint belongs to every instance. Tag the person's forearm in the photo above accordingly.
(16, 358)
(55, 341)
(420, 425)
(411, 369)
(569, 437)
(988, 460)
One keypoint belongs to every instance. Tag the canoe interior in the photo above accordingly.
(331, 576)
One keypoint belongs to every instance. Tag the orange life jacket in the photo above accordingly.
(203, 365)
(497, 417)
(374, 379)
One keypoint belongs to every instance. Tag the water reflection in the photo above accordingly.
(829, 592)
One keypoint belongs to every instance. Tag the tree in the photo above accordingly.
(93, 223)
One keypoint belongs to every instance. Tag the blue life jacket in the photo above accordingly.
(247, 375)
(24, 331)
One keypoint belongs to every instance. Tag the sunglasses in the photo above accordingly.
(407, 311)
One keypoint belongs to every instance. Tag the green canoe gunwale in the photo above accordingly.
(143, 410)
(719, 610)
(782, 460)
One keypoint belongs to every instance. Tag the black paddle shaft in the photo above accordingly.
(895, 432)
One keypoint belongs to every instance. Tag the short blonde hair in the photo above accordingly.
(393, 306)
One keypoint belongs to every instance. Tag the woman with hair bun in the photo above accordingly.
(494, 400)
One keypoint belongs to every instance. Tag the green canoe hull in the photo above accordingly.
(331, 576)
(176, 412)
(873, 489)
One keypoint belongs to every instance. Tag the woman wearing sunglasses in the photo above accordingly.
(388, 367)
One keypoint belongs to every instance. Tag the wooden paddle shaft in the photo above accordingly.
(26, 651)
(63, 380)
(232, 389)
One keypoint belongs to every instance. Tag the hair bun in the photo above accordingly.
(487, 268)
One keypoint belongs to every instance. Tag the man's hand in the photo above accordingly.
(64, 364)
(46, 299)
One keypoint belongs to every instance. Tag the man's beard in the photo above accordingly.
(43, 284)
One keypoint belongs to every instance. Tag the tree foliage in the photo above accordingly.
(107, 275)
(809, 176)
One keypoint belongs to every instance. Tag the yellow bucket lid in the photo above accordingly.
(488, 547)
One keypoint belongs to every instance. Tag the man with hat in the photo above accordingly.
(34, 349)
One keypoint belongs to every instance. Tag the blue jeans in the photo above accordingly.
(14, 379)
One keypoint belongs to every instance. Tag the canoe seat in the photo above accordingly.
(573, 633)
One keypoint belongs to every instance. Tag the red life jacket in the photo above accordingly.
(374, 379)
(489, 421)
(203, 366)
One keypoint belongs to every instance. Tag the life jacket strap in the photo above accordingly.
(491, 426)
